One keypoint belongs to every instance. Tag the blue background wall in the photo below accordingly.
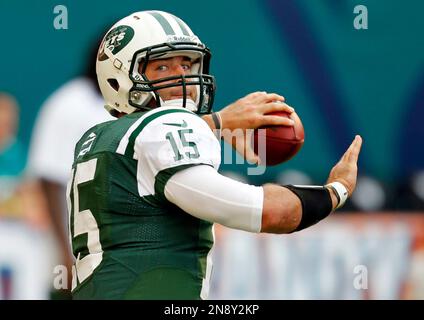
(342, 81)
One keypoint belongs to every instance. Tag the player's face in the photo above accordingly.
(175, 66)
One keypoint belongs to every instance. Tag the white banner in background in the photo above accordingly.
(353, 256)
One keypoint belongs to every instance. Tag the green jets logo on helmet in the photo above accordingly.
(116, 40)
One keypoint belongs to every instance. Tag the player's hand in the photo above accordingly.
(346, 170)
(251, 112)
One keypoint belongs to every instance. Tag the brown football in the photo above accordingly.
(277, 144)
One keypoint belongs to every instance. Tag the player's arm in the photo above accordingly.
(205, 194)
(283, 209)
(294, 208)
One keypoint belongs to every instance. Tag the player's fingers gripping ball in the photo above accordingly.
(277, 144)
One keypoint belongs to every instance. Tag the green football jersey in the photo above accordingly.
(128, 240)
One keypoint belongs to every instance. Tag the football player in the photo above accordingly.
(145, 188)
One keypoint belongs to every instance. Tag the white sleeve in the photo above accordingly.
(208, 195)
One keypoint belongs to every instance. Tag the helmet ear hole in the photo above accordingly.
(114, 84)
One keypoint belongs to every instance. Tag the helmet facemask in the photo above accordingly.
(144, 93)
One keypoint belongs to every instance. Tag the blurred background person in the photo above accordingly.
(12, 152)
(24, 242)
(67, 113)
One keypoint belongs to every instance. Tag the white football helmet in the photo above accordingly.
(144, 36)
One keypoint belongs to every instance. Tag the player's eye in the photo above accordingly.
(161, 67)
(186, 67)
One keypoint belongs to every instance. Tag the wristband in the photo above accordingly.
(340, 191)
(216, 117)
